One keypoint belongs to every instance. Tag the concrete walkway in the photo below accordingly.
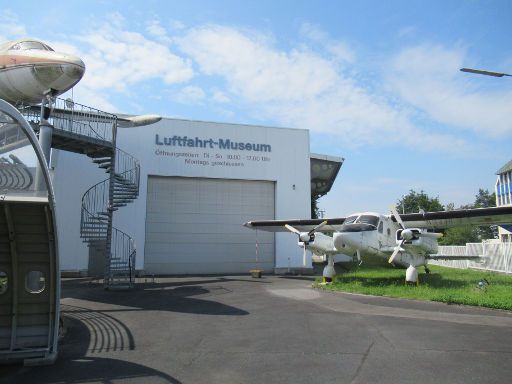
(236, 329)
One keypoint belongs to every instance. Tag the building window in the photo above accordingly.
(35, 282)
(4, 282)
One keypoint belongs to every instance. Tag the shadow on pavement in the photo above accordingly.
(164, 296)
(305, 278)
(87, 332)
(87, 369)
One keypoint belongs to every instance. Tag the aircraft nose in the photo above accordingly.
(344, 241)
(73, 67)
(63, 75)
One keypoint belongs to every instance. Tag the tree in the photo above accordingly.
(314, 208)
(413, 202)
(468, 234)
(485, 199)
(459, 236)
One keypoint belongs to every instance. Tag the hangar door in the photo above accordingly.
(194, 225)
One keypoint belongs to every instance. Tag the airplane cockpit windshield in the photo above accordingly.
(360, 223)
(30, 44)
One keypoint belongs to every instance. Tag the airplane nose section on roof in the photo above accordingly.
(60, 74)
(73, 69)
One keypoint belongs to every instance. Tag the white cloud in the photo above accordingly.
(253, 69)
(220, 97)
(302, 89)
(176, 24)
(154, 28)
(10, 26)
(313, 85)
(117, 58)
(428, 78)
(340, 50)
(190, 95)
(408, 31)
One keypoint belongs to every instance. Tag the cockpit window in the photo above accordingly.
(350, 219)
(27, 45)
(360, 223)
(368, 219)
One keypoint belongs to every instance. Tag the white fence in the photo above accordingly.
(495, 256)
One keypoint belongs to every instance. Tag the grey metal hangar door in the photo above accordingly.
(194, 225)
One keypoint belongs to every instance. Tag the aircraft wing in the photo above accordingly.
(443, 257)
(458, 217)
(123, 121)
(303, 225)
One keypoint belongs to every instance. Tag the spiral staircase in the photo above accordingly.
(98, 206)
(81, 129)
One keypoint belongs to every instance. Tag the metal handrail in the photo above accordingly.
(96, 214)
(14, 174)
(76, 118)
(123, 252)
(102, 199)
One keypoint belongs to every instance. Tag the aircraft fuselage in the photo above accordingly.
(378, 237)
(30, 70)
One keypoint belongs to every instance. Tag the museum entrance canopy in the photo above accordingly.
(324, 170)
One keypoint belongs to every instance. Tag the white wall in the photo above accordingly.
(287, 164)
(72, 175)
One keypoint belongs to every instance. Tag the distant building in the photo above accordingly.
(504, 197)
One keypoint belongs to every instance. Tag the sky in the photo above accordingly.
(375, 82)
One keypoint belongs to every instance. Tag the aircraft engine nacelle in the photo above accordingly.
(306, 238)
(422, 241)
(407, 234)
(321, 244)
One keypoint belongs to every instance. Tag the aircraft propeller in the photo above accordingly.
(406, 234)
(305, 237)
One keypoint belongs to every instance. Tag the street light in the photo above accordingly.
(482, 72)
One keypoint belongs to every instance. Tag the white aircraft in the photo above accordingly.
(31, 73)
(404, 240)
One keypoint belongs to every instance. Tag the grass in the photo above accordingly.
(447, 285)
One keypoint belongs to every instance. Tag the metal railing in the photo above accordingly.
(97, 215)
(76, 118)
(122, 262)
(496, 256)
(127, 167)
(14, 174)
(101, 200)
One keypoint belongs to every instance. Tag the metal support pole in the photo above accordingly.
(45, 141)
(110, 209)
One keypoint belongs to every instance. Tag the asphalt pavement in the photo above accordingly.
(277, 329)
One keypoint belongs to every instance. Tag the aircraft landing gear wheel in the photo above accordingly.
(427, 270)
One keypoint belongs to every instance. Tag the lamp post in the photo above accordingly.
(483, 72)
(494, 74)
